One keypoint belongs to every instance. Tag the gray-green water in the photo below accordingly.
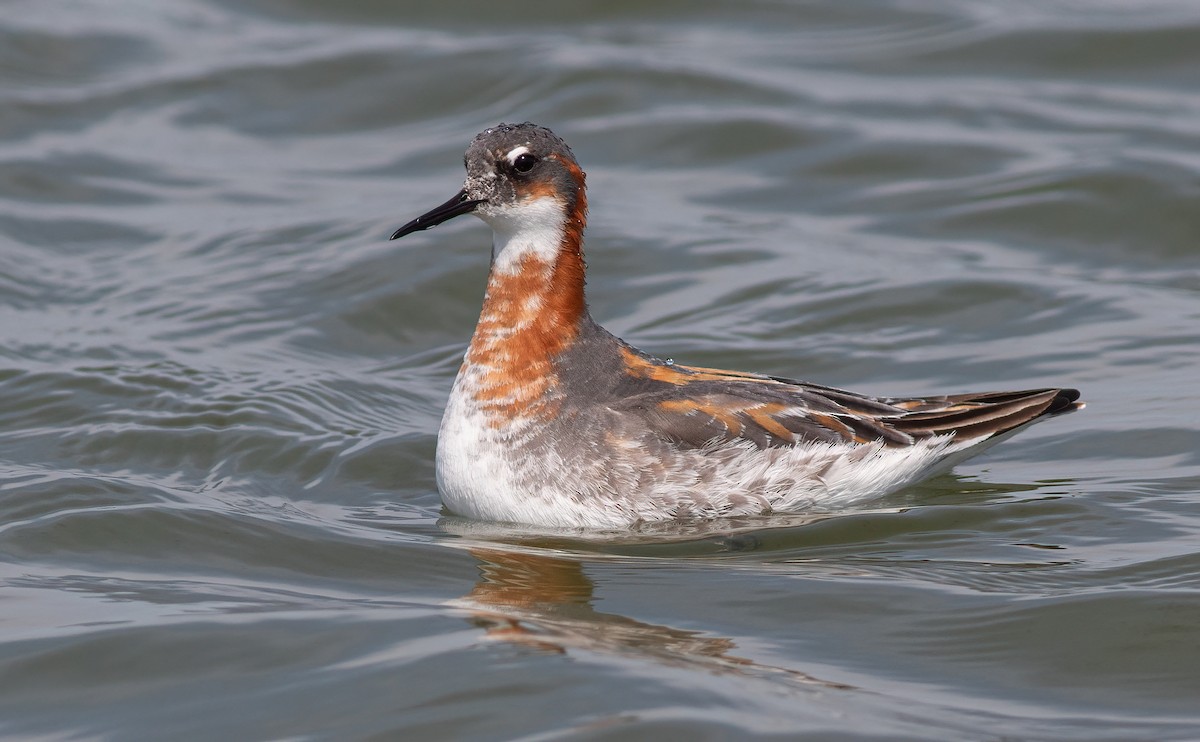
(220, 384)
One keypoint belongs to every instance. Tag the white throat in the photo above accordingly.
(529, 228)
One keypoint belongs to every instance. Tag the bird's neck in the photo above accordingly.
(534, 307)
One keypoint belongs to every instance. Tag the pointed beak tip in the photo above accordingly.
(456, 206)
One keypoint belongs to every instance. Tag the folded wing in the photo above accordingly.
(698, 406)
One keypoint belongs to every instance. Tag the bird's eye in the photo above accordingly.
(524, 162)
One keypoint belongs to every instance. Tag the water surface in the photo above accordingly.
(220, 385)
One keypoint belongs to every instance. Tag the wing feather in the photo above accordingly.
(695, 406)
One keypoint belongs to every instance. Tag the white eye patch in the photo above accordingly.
(515, 153)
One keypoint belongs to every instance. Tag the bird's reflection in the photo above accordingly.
(533, 590)
(545, 603)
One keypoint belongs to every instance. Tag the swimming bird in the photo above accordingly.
(553, 421)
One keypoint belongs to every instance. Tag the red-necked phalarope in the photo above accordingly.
(553, 421)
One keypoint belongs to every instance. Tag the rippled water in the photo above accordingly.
(220, 384)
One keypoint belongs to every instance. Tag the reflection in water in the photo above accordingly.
(546, 603)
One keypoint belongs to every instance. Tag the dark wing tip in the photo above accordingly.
(981, 415)
(1064, 401)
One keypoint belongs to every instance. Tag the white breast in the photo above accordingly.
(483, 472)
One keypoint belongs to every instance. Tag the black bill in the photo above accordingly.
(456, 206)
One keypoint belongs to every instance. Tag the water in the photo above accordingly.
(220, 383)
